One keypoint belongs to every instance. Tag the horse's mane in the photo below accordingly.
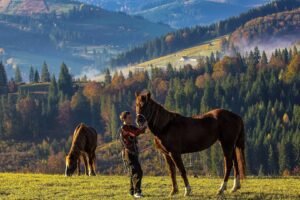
(77, 139)
(158, 116)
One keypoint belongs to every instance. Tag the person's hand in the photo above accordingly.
(145, 124)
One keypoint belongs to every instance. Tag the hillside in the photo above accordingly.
(81, 35)
(179, 13)
(189, 37)
(177, 59)
(268, 32)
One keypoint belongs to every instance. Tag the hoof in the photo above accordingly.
(174, 192)
(188, 191)
(234, 189)
(92, 174)
(220, 192)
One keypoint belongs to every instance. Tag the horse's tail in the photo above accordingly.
(240, 153)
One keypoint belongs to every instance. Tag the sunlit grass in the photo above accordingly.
(38, 186)
(204, 49)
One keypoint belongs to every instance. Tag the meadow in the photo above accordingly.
(40, 186)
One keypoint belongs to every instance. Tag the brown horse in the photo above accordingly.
(176, 135)
(84, 144)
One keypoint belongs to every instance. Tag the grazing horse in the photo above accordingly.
(84, 144)
(176, 135)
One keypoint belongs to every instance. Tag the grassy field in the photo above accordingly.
(38, 186)
(204, 49)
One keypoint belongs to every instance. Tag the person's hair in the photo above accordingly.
(123, 115)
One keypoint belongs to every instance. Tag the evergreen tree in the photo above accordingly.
(45, 76)
(272, 162)
(52, 96)
(81, 108)
(114, 122)
(264, 59)
(107, 78)
(65, 84)
(256, 55)
(18, 75)
(3, 76)
(31, 75)
(207, 99)
(36, 76)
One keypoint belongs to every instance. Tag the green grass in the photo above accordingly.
(38, 186)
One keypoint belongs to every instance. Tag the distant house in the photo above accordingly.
(139, 69)
(188, 59)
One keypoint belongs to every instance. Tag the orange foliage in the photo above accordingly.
(64, 113)
(169, 39)
(92, 91)
(117, 81)
(225, 66)
(161, 86)
(56, 163)
(26, 107)
(200, 80)
(293, 68)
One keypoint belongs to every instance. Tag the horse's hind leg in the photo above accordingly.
(94, 162)
(228, 162)
(78, 166)
(92, 158)
(86, 168)
(236, 183)
(179, 164)
(172, 172)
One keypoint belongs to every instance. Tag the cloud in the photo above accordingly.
(90, 71)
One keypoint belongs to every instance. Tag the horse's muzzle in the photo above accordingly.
(140, 120)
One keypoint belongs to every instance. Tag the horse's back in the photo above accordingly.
(85, 137)
(230, 123)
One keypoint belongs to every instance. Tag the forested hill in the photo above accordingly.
(37, 118)
(270, 30)
(187, 37)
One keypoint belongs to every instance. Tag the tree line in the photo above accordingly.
(263, 90)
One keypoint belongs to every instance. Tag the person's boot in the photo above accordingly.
(138, 195)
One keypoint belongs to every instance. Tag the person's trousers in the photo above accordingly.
(136, 173)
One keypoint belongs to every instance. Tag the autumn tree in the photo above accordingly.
(293, 69)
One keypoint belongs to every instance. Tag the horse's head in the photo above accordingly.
(141, 102)
(71, 164)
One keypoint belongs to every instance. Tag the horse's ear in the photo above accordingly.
(148, 95)
(137, 94)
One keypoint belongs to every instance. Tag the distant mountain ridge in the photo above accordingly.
(23, 7)
(180, 13)
(33, 31)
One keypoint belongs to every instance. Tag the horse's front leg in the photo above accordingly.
(179, 164)
(172, 172)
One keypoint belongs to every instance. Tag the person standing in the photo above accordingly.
(128, 136)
